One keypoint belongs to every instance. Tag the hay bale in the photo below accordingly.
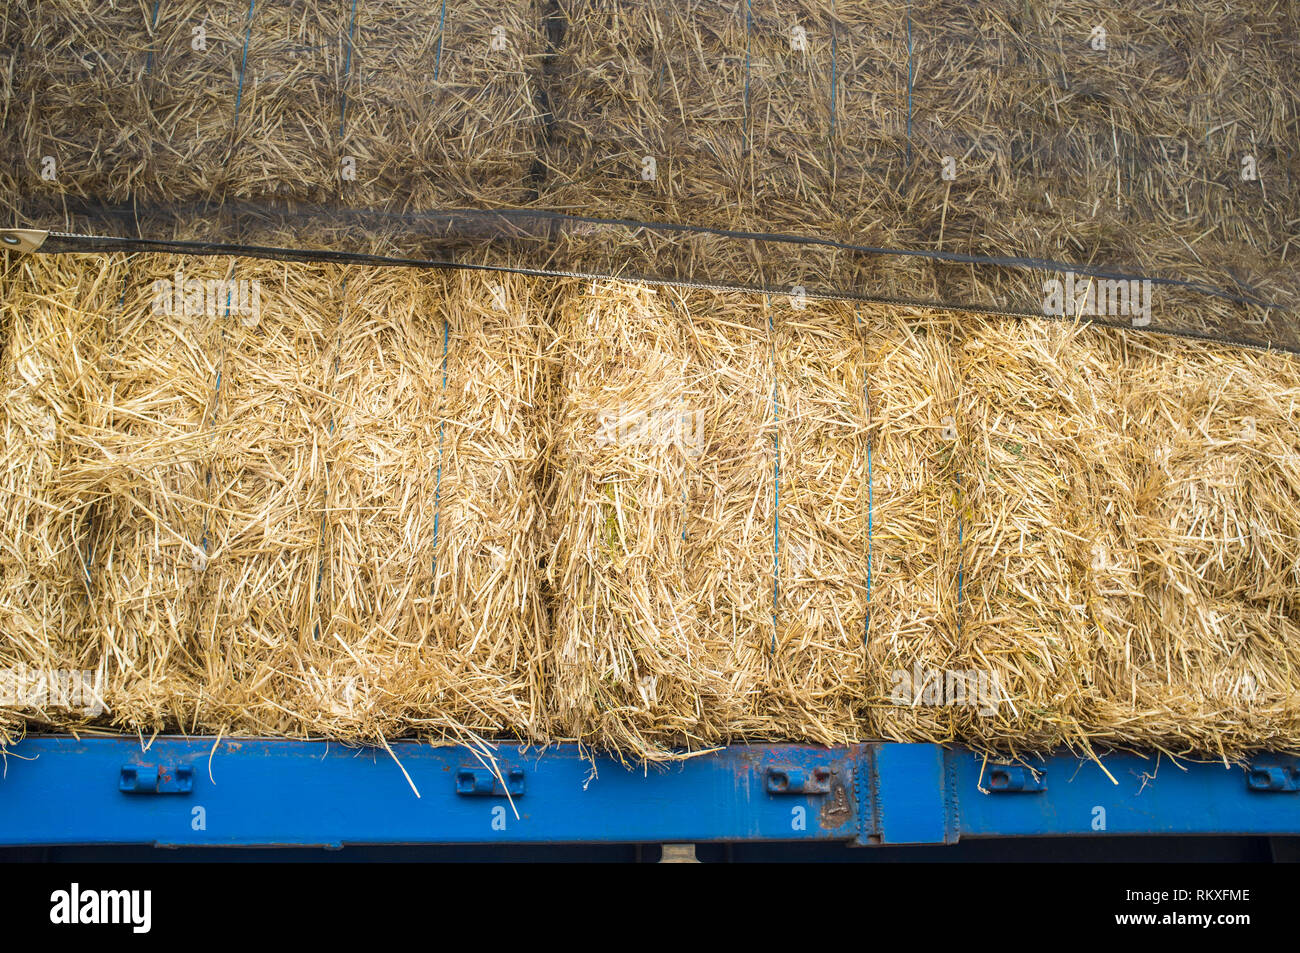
(146, 458)
(712, 114)
(54, 318)
(683, 619)
(274, 471)
(661, 563)
(1035, 422)
(270, 481)
(915, 530)
(197, 108)
(166, 104)
(1208, 662)
(433, 620)
(440, 106)
(868, 123)
(81, 102)
(649, 79)
(266, 498)
(289, 94)
(134, 101)
(817, 684)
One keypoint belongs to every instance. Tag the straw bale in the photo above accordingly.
(134, 101)
(1208, 663)
(266, 498)
(53, 312)
(434, 618)
(289, 90)
(1033, 423)
(81, 101)
(647, 544)
(685, 616)
(441, 106)
(145, 458)
(652, 79)
(912, 383)
(818, 683)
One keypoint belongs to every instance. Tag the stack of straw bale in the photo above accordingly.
(365, 503)
(430, 108)
(277, 516)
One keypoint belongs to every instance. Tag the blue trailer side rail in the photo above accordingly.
(186, 792)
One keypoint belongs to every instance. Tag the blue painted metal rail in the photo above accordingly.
(185, 792)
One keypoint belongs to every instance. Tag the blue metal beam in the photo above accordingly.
(265, 793)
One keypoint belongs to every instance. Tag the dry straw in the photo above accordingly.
(374, 565)
(630, 666)
(1141, 137)
(54, 318)
(441, 106)
(233, 484)
(370, 105)
(143, 457)
(1208, 662)
(649, 111)
(132, 101)
(363, 503)
(687, 615)
(435, 621)
(1030, 431)
(819, 670)
(915, 521)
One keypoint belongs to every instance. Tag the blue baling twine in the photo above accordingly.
(212, 418)
(320, 562)
(866, 399)
(437, 62)
(961, 532)
(835, 51)
(148, 62)
(347, 71)
(776, 480)
(909, 85)
(437, 480)
(243, 63)
(749, 22)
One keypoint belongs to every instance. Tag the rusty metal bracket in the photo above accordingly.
(22, 239)
(1016, 779)
(796, 779)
